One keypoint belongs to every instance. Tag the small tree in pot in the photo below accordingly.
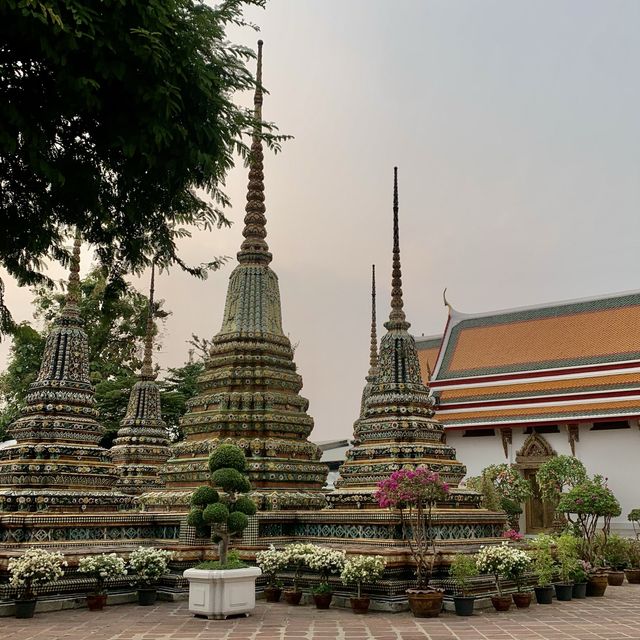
(103, 567)
(326, 562)
(462, 569)
(634, 518)
(148, 565)
(415, 492)
(361, 570)
(567, 550)
(543, 567)
(297, 556)
(633, 553)
(33, 568)
(502, 561)
(224, 516)
(616, 555)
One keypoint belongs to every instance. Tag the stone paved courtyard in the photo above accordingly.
(617, 615)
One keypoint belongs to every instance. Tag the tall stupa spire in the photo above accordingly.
(373, 349)
(249, 393)
(397, 318)
(142, 442)
(70, 309)
(254, 249)
(146, 372)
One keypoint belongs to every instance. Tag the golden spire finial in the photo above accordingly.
(397, 318)
(147, 362)
(254, 248)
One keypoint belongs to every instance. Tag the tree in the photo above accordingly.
(178, 386)
(117, 119)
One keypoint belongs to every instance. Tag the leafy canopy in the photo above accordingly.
(117, 118)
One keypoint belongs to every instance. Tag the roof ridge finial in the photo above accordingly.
(373, 351)
(397, 318)
(72, 299)
(146, 372)
(254, 248)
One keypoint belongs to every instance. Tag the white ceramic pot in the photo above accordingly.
(217, 594)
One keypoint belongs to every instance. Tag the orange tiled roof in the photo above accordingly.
(428, 349)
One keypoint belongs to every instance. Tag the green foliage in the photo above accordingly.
(233, 562)
(633, 552)
(245, 505)
(237, 522)
(591, 497)
(195, 517)
(217, 513)
(462, 569)
(484, 485)
(230, 480)
(117, 119)
(559, 473)
(634, 515)
(321, 588)
(509, 482)
(568, 553)
(615, 552)
(543, 564)
(510, 507)
(227, 456)
(203, 496)
(178, 386)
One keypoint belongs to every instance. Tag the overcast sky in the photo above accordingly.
(516, 131)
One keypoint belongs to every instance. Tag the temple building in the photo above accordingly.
(56, 462)
(249, 392)
(142, 442)
(521, 385)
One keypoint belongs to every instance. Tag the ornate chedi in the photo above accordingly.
(57, 463)
(397, 428)
(373, 349)
(142, 443)
(249, 392)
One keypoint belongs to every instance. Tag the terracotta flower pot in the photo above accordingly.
(633, 576)
(292, 597)
(564, 592)
(522, 599)
(25, 608)
(544, 595)
(272, 594)
(360, 605)
(147, 596)
(464, 605)
(616, 578)
(322, 600)
(597, 585)
(501, 603)
(425, 604)
(96, 601)
(579, 591)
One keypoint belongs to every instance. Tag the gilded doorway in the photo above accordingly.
(539, 514)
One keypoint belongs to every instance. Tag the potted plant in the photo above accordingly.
(148, 565)
(359, 570)
(271, 562)
(297, 556)
(568, 563)
(103, 567)
(583, 506)
(634, 518)
(462, 569)
(558, 475)
(501, 561)
(33, 568)
(633, 553)
(580, 576)
(520, 564)
(414, 492)
(615, 552)
(326, 562)
(227, 586)
(543, 568)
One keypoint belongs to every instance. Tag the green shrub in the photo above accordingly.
(203, 496)
(230, 480)
(462, 569)
(227, 456)
(216, 513)
(615, 551)
(245, 505)
(194, 519)
(237, 522)
(233, 562)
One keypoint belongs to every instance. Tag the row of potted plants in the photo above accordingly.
(357, 571)
(38, 567)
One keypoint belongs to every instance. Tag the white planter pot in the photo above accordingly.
(217, 594)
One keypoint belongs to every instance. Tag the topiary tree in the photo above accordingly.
(223, 515)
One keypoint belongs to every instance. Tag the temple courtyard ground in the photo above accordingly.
(616, 615)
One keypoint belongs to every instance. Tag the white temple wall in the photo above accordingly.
(613, 454)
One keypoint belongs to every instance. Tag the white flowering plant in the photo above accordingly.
(106, 566)
(34, 568)
(149, 564)
(362, 569)
(503, 561)
(271, 561)
(326, 562)
(297, 556)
